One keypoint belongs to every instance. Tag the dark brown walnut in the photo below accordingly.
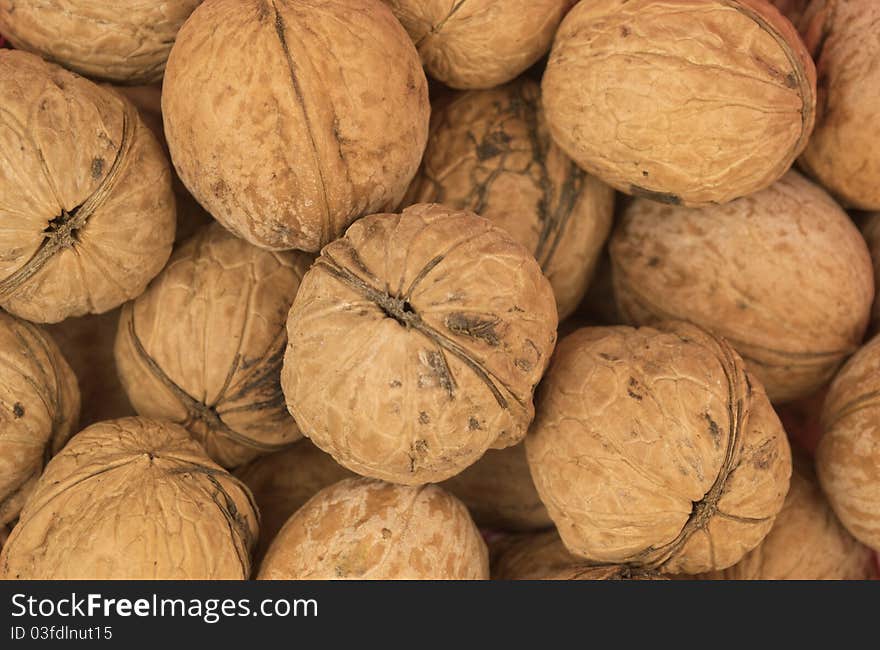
(689, 102)
(87, 344)
(87, 217)
(489, 151)
(133, 499)
(844, 151)
(783, 275)
(870, 226)
(125, 42)
(282, 482)
(499, 492)
(203, 346)
(480, 43)
(655, 448)
(848, 457)
(322, 121)
(807, 542)
(416, 342)
(39, 407)
(362, 529)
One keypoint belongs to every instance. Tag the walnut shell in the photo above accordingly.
(416, 342)
(807, 542)
(489, 151)
(655, 448)
(39, 407)
(133, 499)
(480, 43)
(88, 213)
(783, 275)
(844, 150)
(203, 346)
(363, 529)
(126, 42)
(282, 482)
(848, 457)
(499, 492)
(870, 227)
(791, 9)
(325, 119)
(689, 102)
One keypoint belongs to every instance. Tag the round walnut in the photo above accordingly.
(688, 102)
(362, 529)
(807, 542)
(87, 217)
(844, 152)
(282, 482)
(133, 499)
(332, 128)
(489, 151)
(783, 275)
(39, 407)
(126, 42)
(499, 492)
(416, 342)
(203, 346)
(848, 457)
(655, 448)
(870, 226)
(480, 43)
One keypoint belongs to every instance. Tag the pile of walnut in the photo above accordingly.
(292, 311)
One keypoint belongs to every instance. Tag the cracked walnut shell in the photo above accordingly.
(133, 499)
(363, 529)
(416, 342)
(489, 151)
(39, 407)
(325, 119)
(480, 43)
(203, 346)
(783, 275)
(655, 448)
(87, 217)
(690, 102)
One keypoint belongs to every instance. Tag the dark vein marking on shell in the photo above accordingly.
(476, 326)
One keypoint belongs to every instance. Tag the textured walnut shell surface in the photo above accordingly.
(415, 344)
(133, 499)
(682, 101)
(39, 407)
(363, 529)
(489, 151)
(499, 492)
(783, 275)
(125, 42)
(88, 212)
(654, 448)
(283, 481)
(203, 346)
(848, 457)
(870, 226)
(325, 119)
(844, 150)
(807, 542)
(479, 43)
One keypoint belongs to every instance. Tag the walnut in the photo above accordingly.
(844, 151)
(415, 344)
(689, 102)
(783, 275)
(363, 529)
(655, 448)
(126, 44)
(39, 407)
(203, 346)
(480, 43)
(88, 213)
(489, 151)
(848, 457)
(331, 128)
